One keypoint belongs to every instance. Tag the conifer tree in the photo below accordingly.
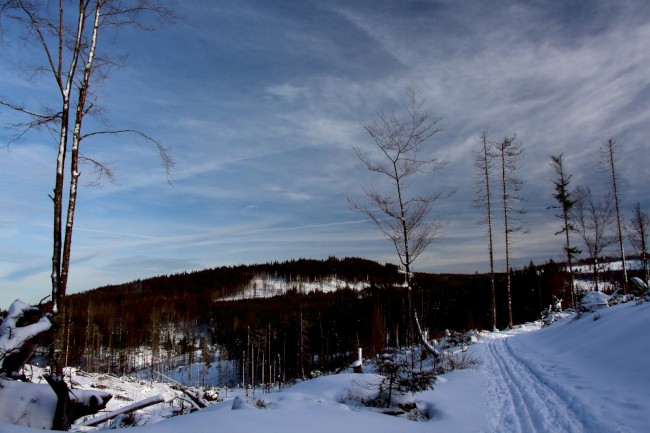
(565, 200)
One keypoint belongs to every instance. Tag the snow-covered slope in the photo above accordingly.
(579, 375)
(266, 286)
(589, 374)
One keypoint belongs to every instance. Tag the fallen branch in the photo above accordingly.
(126, 409)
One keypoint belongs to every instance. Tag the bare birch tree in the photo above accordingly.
(484, 164)
(68, 35)
(637, 232)
(403, 217)
(510, 154)
(565, 200)
(609, 152)
(592, 219)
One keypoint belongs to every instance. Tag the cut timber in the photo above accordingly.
(127, 409)
(197, 399)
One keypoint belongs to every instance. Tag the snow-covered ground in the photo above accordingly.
(266, 286)
(632, 264)
(586, 374)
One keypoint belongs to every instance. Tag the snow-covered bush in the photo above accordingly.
(593, 301)
(456, 339)
(458, 360)
(398, 382)
(553, 313)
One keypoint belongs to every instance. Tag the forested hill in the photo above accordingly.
(228, 281)
(118, 328)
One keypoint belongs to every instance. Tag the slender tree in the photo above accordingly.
(510, 154)
(565, 200)
(609, 152)
(483, 162)
(402, 216)
(68, 35)
(637, 232)
(592, 219)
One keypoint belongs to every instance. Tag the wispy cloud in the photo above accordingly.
(261, 103)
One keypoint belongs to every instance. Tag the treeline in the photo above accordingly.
(166, 320)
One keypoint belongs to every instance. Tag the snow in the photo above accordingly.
(266, 286)
(594, 300)
(616, 265)
(583, 373)
(13, 337)
(29, 403)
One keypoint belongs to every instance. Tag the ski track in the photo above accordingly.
(525, 399)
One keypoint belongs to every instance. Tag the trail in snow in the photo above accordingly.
(527, 402)
(583, 375)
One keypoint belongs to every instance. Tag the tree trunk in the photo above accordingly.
(610, 150)
(58, 288)
(76, 141)
(506, 234)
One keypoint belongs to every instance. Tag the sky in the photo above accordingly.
(260, 104)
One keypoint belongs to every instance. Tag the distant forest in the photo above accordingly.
(157, 320)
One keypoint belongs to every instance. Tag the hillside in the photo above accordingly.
(581, 374)
(309, 314)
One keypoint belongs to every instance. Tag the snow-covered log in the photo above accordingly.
(15, 340)
(40, 406)
(197, 398)
(639, 284)
(127, 409)
(74, 404)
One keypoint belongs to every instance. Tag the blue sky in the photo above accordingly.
(261, 102)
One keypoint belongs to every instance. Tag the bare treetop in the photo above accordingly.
(400, 139)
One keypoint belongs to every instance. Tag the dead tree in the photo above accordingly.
(510, 154)
(68, 36)
(483, 162)
(403, 217)
(592, 219)
(637, 233)
(609, 155)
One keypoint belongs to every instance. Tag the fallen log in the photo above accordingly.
(126, 409)
(196, 398)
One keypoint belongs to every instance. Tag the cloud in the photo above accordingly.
(261, 103)
(285, 91)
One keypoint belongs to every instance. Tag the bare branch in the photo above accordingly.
(592, 219)
(167, 161)
(100, 171)
(44, 117)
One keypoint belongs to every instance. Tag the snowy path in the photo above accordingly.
(582, 375)
(526, 401)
